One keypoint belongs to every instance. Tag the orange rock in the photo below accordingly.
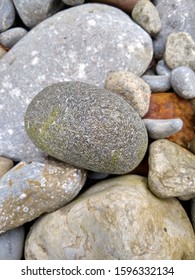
(125, 5)
(169, 105)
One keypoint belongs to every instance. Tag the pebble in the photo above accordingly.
(31, 189)
(73, 2)
(7, 14)
(2, 52)
(193, 212)
(132, 88)
(183, 82)
(146, 15)
(12, 244)
(88, 127)
(159, 129)
(171, 170)
(104, 222)
(162, 68)
(192, 146)
(5, 165)
(159, 83)
(97, 175)
(10, 37)
(180, 50)
(73, 53)
(33, 12)
(125, 5)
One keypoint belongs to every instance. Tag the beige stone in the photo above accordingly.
(5, 165)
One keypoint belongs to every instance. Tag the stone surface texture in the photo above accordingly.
(5, 165)
(54, 52)
(115, 219)
(10, 37)
(160, 83)
(31, 189)
(88, 127)
(171, 170)
(7, 14)
(132, 88)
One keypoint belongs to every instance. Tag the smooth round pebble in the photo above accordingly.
(10, 37)
(162, 68)
(5, 165)
(97, 175)
(7, 14)
(159, 83)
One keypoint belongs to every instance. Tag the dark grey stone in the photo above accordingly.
(7, 14)
(193, 212)
(88, 127)
(159, 83)
(97, 175)
(162, 68)
(10, 37)
(73, 2)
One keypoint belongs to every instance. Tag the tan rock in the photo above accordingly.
(5, 165)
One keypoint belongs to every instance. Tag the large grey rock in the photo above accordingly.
(88, 127)
(10, 37)
(177, 15)
(29, 190)
(115, 219)
(12, 244)
(171, 170)
(7, 14)
(82, 43)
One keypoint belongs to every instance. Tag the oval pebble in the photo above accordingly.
(10, 37)
(7, 14)
(159, 83)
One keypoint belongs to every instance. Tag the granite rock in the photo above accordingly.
(162, 68)
(87, 126)
(10, 37)
(82, 46)
(160, 83)
(171, 170)
(118, 218)
(7, 14)
(31, 189)
(5, 165)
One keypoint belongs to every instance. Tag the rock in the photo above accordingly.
(10, 37)
(183, 82)
(159, 129)
(162, 68)
(192, 146)
(169, 106)
(73, 53)
(2, 51)
(31, 189)
(171, 170)
(180, 50)
(157, 83)
(7, 14)
(132, 88)
(103, 224)
(97, 175)
(193, 212)
(146, 15)
(11, 244)
(175, 17)
(5, 165)
(88, 127)
(73, 2)
(33, 12)
(125, 5)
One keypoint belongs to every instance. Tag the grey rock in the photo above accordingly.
(183, 82)
(82, 46)
(87, 126)
(159, 129)
(5, 165)
(159, 83)
(7, 14)
(162, 68)
(176, 16)
(193, 212)
(12, 244)
(10, 37)
(97, 175)
(132, 88)
(171, 170)
(146, 15)
(180, 50)
(31, 189)
(73, 2)
(104, 222)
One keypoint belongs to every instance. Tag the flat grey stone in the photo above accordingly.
(159, 129)
(10, 37)
(183, 82)
(7, 14)
(12, 244)
(162, 68)
(116, 219)
(193, 212)
(31, 189)
(176, 16)
(5, 165)
(82, 47)
(88, 127)
(171, 170)
(73, 2)
(160, 83)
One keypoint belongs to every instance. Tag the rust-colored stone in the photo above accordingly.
(125, 5)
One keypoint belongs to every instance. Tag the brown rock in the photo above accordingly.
(125, 5)
(5, 165)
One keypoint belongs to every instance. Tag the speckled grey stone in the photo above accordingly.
(171, 170)
(176, 16)
(88, 127)
(10, 37)
(31, 189)
(159, 129)
(183, 82)
(160, 83)
(75, 44)
(7, 14)
(116, 219)
(162, 68)
(73, 2)
(12, 244)
(146, 15)
(193, 212)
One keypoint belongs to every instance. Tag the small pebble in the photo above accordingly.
(159, 83)
(159, 129)
(10, 37)
(7, 14)
(162, 68)
(5, 165)
(73, 2)
(97, 175)
(183, 82)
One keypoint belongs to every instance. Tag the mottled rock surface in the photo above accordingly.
(5, 165)
(7, 14)
(29, 190)
(88, 127)
(10, 37)
(171, 170)
(115, 219)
